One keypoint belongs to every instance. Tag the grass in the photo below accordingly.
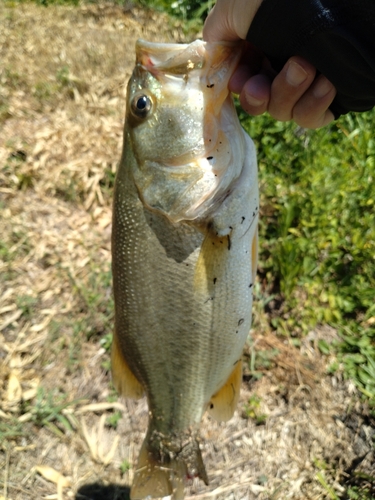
(317, 233)
(47, 411)
(252, 410)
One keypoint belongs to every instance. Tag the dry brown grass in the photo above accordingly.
(63, 433)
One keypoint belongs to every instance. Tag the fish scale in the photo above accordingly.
(184, 254)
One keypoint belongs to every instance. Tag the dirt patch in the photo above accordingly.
(298, 433)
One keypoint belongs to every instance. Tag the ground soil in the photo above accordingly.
(299, 432)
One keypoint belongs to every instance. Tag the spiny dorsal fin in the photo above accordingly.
(224, 402)
(124, 381)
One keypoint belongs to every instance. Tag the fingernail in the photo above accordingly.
(322, 88)
(295, 74)
(253, 101)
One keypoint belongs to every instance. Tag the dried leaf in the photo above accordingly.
(14, 392)
(53, 475)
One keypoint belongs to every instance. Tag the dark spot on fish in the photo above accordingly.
(210, 158)
(253, 214)
(186, 264)
(220, 142)
(208, 300)
(229, 243)
(221, 241)
(215, 175)
(230, 227)
(256, 208)
(250, 285)
(236, 331)
(211, 406)
(210, 85)
(215, 279)
(240, 321)
(243, 218)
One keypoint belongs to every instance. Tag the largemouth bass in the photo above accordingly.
(184, 251)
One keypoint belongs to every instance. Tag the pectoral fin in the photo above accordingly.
(124, 381)
(211, 262)
(224, 402)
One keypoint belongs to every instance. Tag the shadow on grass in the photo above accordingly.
(97, 491)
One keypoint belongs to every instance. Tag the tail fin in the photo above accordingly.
(155, 478)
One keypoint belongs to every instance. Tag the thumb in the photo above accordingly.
(229, 20)
(218, 26)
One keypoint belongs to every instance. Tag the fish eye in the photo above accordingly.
(141, 105)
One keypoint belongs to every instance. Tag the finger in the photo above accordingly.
(289, 86)
(237, 81)
(255, 95)
(229, 21)
(311, 111)
(250, 64)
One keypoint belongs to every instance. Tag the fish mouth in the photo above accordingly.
(177, 58)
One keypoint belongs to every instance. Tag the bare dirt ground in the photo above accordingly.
(299, 432)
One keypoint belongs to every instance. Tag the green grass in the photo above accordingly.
(317, 233)
(93, 293)
(252, 410)
(46, 411)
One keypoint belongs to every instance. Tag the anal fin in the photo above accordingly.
(123, 379)
(224, 402)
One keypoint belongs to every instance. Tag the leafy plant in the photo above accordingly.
(252, 410)
(47, 411)
(125, 466)
(26, 303)
(185, 9)
(317, 236)
(113, 419)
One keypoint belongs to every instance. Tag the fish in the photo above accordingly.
(184, 253)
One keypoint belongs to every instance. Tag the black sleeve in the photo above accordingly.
(336, 36)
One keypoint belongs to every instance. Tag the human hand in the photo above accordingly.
(292, 94)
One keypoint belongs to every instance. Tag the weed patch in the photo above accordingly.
(317, 236)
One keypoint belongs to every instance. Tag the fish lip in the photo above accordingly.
(155, 56)
(143, 44)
